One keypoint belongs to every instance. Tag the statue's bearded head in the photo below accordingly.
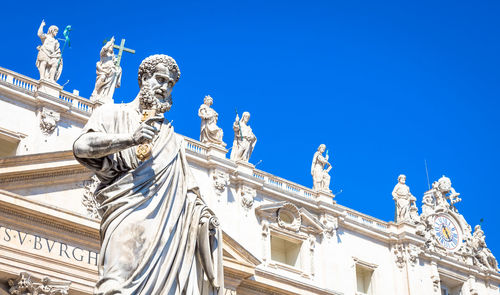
(157, 77)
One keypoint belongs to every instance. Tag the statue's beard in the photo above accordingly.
(150, 102)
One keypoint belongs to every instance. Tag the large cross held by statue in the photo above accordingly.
(121, 49)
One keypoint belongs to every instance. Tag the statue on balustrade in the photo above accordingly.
(244, 139)
(210, 132)
(482, 254)
(109, 75)
(157, 234)
(49, 59)
(406, 209)
(321, 178)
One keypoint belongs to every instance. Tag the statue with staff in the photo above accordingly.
(244, 139)
(321, 178)
(49, 58)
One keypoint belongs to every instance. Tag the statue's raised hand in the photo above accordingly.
(145, 132)
(43, 23)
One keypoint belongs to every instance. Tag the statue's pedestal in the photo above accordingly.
(216, 150)
(49, 88)
(245, 167)
(326, 197)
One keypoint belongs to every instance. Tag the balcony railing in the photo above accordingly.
(284, 184)
(30, 86)
(368, 220)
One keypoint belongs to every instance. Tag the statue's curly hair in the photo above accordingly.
(148, 66)
(207, 98)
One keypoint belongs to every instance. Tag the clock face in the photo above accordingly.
(446, 232)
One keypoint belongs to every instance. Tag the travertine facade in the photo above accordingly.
(279, 237)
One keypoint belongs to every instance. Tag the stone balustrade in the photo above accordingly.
(272, 180)
(195, 146)
(76, 101)
(365, 219)
(285, 185)
(30, 86)
(19, 81)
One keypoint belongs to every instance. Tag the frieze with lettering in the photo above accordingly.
(41, 245)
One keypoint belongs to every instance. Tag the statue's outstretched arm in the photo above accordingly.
(40, 30)
(98, 144)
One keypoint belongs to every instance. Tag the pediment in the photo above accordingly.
(270, 208)
(289, 217)
(310, 222)
(236, 259)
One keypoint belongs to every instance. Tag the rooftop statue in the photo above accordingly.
(109, 74)
(443, 191)
(49, 59)
(244, 139)
(157, 234)
(210, 132)
(428, 205)
(405, 201)
(482, 255)
(321, 178)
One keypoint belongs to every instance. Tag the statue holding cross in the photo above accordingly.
(108, 71)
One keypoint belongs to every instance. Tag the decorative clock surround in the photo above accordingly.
(447, 232)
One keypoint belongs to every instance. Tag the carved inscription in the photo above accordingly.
(45, 246)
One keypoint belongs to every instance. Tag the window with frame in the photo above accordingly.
(7, 147)
(364, 282)
(450, 285)
(286, 250)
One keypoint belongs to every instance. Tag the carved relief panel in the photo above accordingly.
(220, 181)
(48, 120)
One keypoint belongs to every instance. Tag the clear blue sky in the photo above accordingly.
(384, 84)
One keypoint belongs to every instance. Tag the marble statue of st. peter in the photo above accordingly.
(157, 234)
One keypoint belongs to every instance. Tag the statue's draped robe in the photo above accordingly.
(401, 194)
(108, 77)
(243, 143)
(210, 132)
(154, 221)
(321, 178)
(50, 53)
